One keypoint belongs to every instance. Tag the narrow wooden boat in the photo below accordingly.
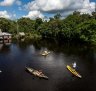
(73, 71)
(45, 53)
(36, 73)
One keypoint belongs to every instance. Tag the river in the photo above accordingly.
(14, 58)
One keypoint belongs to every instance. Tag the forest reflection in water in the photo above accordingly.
(14, 58)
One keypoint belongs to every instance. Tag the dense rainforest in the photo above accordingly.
(75, 27)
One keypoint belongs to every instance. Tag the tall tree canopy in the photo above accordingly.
(74, 27)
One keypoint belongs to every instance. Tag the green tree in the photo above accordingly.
(5, 25)
(87, 30)
(26, 25)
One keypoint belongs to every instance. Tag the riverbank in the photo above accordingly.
(75, 27)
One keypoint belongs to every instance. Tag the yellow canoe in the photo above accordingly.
(73, 71)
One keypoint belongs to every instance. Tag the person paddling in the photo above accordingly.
(74, 65)
(40, 72)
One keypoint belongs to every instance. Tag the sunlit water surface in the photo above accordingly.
(14, 58)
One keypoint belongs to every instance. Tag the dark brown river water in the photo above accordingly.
(14, 58)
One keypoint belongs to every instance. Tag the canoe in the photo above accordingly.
(73, 71)
(36, 73)
(45, 53)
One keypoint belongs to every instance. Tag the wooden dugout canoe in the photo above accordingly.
(36, 73)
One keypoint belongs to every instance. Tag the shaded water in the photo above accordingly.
(14, 58)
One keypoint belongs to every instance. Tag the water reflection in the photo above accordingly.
(15, 57)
